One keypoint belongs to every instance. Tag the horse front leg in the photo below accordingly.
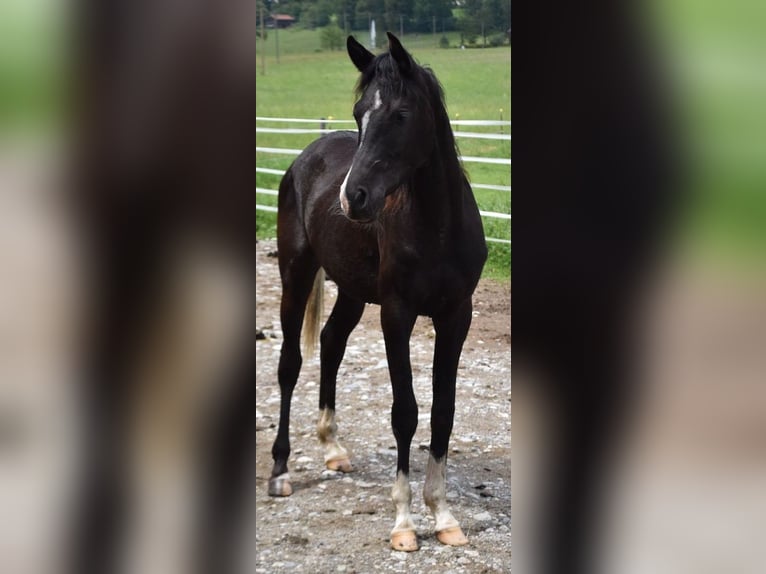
(344, 317)
(397, 322)
(451, 330)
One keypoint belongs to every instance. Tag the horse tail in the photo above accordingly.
(313, 315)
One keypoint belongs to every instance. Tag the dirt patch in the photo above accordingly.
(341, 523)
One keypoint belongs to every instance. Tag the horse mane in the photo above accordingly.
(391, 81)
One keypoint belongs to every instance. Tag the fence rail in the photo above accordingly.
(468, 158)
(473, 135)
(323, 122)
(334, 121)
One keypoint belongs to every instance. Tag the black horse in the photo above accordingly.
(389, 215)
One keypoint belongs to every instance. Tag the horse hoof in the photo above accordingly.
(280, 486)
(404, 541)
(452, 536)
(340, 464)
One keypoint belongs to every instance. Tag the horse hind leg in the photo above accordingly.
(344, 317)
(297, 283)
(450, 335)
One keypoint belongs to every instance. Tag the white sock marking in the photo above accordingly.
(326, 429)
(401, 494)
(435, 493)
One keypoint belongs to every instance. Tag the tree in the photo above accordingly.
(424, 12)
(331, 37)
(394, 10)
(484, 17)
(366, 10)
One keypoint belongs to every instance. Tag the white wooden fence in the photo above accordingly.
(322, 130)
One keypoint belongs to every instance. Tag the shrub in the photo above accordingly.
(496, 40)
(444, 42)
(331, 37)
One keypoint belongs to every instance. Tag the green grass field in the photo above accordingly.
(311, 84)
(714, 54)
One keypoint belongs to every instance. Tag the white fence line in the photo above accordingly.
(473, 185)
(267, 208)
(272, 209)
(489, 186)
(471, 135)
(334, 121)
(468, 158)
(270, 171)
(323, 121)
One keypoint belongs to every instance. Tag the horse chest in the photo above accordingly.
(428, 284)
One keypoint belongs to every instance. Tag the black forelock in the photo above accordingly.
(390, 80)
(385, 71)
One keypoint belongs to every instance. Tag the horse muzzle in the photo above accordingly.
(357, 204)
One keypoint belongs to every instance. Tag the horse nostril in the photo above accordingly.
(361, 196)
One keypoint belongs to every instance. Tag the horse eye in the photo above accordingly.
(402, 115)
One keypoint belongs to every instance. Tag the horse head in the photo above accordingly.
(396, 128)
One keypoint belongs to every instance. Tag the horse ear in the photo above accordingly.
(400, 55)
(358, 54)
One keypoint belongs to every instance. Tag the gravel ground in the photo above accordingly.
(356, 509)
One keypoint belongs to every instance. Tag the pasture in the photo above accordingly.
(309, 84)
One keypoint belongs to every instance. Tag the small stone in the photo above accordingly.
(482, 517)
(303, 459)
(472, 553)
(330, 474)
(347, 512)
(463, 560)
(401, 556)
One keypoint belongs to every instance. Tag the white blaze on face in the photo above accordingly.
(365, 122)
(435, 493)
(401, 494)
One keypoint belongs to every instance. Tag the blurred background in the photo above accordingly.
(685, 468)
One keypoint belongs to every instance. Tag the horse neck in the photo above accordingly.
(438, 184)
